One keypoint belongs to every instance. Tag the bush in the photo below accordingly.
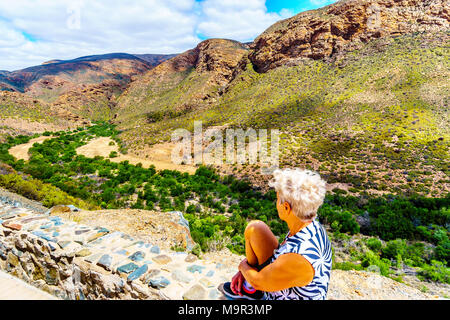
(394, 248)
(391, 225)
(37, 190)
(374, 244)
(372, 259)
(437, 271)
(346, 266)
(442, 252)
(113, 154)
(341, 221)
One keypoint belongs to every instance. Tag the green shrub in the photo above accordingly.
(113, 154)
(341, 221)
(346, 265)
(394, 248)
(370, 258)
(374, 244)
(37, 190)
(437, 271)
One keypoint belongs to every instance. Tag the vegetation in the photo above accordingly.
(375, 120)
(413, 230)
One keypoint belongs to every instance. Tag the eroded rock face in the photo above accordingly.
(220, 56)
(345, 26)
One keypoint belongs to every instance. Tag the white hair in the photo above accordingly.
(304, 190)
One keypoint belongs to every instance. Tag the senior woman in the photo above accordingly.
(300, 267)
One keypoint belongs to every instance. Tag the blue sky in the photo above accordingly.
(295, 6)
(34, 31)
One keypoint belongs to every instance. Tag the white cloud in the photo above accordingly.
(149, 26)
(237, 19)
(34, 31)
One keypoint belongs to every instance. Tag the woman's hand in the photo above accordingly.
(236, 283)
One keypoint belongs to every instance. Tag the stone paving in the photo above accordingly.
(174, 275)
(12, 288)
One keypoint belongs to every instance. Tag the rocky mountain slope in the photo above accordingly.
(181, 84)
(86, 86)
(329, 32)
(354, 86)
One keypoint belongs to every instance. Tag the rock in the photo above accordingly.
(155, 249)
(105, 262)
(12, 226)
(93, 258)
(206, 283)
(59, 209)
(52, 276)
(38, 272)
(64, 244)
(151, 274)
(13, 259)
(162, 259)
(137, 256)
(122, 252)
(159, 282)
(214, 294)
(180, 276)
(99, 234)
(136, 274)
(191, 258)
(195, 268)
(52, 246)
(127, 268)
(78, 232)
(341, 27)
(42, 235)
(73, 208)
(196, 292)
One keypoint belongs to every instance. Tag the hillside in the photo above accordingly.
(180, 85)
(366, 106)
(330, 32)
(24, 115)
(86, 87)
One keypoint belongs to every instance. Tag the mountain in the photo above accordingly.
(329, 32)
(86, 86)
(57, 75)
(359, 90)
(184, 83)
(155, 59)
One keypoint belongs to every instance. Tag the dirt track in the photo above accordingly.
(158, 155)
(21, 151)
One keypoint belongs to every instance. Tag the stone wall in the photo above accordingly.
(72, 261)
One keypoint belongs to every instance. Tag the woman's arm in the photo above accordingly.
(288, 270)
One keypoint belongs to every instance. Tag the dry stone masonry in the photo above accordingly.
(73, 261)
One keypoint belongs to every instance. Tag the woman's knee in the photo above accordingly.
(255, 226)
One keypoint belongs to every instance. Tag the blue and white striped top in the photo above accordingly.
(312, 243)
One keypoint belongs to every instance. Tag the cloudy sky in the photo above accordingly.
(34, 31)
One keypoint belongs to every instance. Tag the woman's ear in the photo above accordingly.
(287, 207)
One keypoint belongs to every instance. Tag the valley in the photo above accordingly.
(359, 91)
